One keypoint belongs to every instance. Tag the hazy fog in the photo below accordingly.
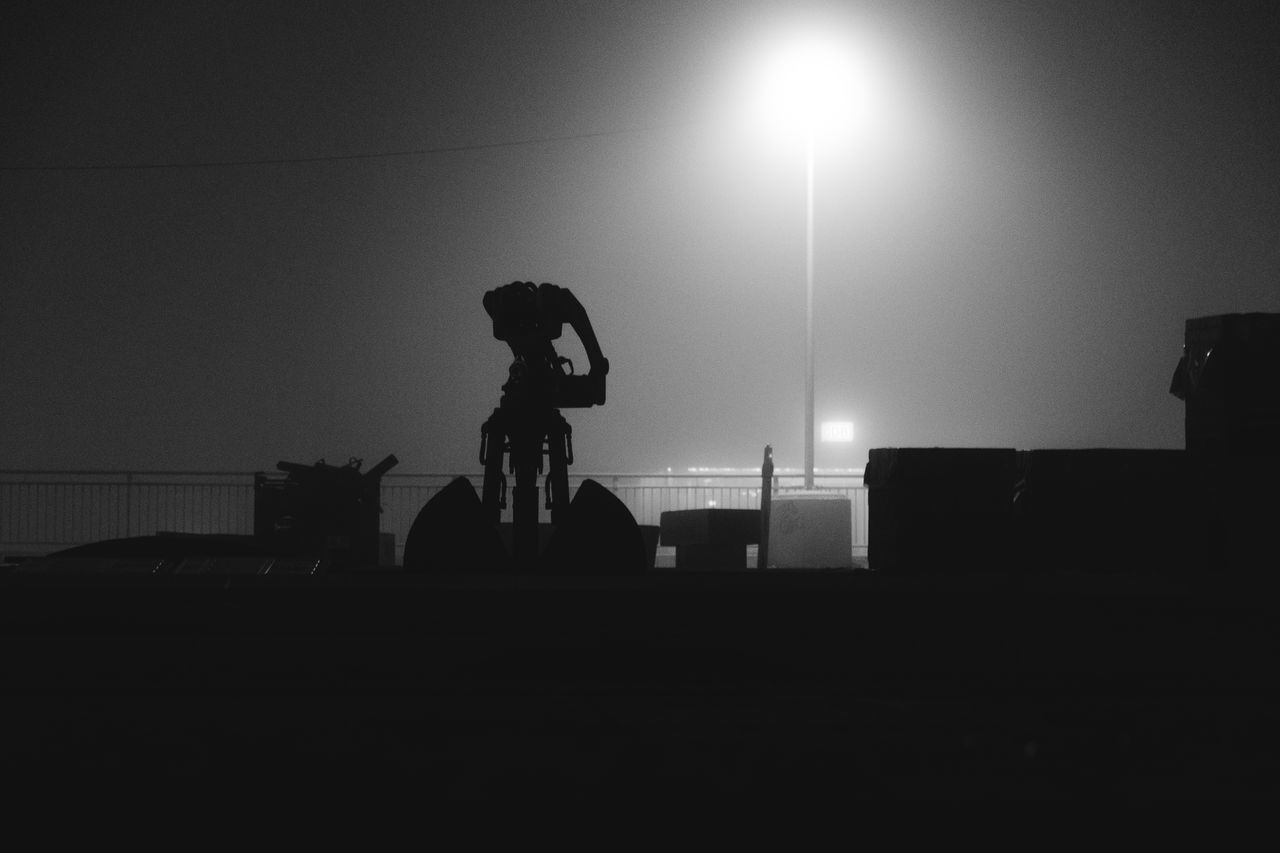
(1007, 260)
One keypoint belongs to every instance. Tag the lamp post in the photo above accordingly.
(810, 82)
(808, 314)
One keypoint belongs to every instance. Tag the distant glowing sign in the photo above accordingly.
(837, 431)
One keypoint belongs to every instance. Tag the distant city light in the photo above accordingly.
(837, 432)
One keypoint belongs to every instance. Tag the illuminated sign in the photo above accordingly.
(837, 431)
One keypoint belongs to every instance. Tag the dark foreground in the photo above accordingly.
(687, 685)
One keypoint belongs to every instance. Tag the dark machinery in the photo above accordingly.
(527, 424)
(592, 534)
(329, 510)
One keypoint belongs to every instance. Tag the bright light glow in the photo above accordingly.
(817, 81)
(837, 431)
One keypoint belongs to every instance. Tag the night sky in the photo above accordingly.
(1006, 259)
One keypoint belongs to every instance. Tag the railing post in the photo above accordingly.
(128, 504)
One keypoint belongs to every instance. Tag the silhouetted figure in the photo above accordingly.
(527, 423)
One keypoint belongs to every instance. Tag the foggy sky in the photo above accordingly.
(1059, 188)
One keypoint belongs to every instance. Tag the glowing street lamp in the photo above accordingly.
(810, 84)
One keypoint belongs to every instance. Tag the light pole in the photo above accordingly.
(804, 89)
(808, 314)
(810, 82)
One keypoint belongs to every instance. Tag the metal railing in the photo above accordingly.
(43, 511)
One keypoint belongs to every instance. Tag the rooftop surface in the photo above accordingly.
(835, 683)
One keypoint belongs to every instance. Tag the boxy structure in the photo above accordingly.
(1229, 377)
(810, 530)
(1229, 380)
(710, 538)
(1108, 511)
(940, 509)
(1210, 508)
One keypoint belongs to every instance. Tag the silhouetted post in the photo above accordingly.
(766, 505)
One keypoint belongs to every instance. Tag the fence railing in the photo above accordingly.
(43, 511)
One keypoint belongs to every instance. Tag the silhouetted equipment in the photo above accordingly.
(1229, 377)
(940, 510)
(1113, 511)
(595, 532)
(650, 534)
(766, 507)
(527, 424)
(322, 509)
(454, 533)
(545, 529)
(710, 538)
(598, 535)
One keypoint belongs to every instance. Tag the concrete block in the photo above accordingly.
(810, 530)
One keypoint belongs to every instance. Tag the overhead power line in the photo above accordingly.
(329, 158)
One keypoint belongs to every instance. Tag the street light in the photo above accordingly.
(808, 313)
(809, 83)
